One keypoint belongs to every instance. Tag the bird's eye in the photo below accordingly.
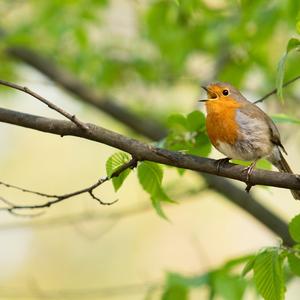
(225, 92)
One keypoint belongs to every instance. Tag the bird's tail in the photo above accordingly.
(282, 165)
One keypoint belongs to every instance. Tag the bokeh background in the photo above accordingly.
(150, 57)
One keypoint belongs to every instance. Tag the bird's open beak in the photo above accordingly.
(210, 95)
(206, 89)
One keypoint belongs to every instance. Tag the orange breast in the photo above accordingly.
(220, 121)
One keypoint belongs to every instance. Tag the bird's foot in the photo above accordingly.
(249, 170)
(221, 162)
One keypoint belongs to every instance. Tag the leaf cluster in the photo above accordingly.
(272, 268)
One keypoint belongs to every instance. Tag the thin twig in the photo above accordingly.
(27, 191)
(92, 216)
(51, 105)
(275, 90)
(11, 207)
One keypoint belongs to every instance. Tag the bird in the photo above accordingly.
(239, 129)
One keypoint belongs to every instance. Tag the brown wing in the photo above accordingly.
(275, 136)
(253, 110)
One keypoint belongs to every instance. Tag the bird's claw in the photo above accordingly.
(249, 171)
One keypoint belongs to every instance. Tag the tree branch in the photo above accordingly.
(141, 151)
(149, 129)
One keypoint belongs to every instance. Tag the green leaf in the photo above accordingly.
(294, 228)
(177, 286)
(282, 118)
(195, 121)
(268, 275)
(236, 262)
(150, 176)
(261, 164)
(298, 27)
(156, 203)
(176, 292)
(201, 147)
(194, 281)
(293, 43)
(294, 263)
(264, 164)
(230, 287)
(118, 181)
(249, 266)
(177, 122)
(157, 198)
(280, 75)
(113, 163)
(181, 171)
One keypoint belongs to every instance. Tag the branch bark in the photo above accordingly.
(141, 151)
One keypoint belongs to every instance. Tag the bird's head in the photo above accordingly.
(222, 91)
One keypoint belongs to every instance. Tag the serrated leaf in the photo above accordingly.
(282, 118)
(293, 43)
(268, 275)
(249, 266)
(150, 176)
(195, 121)
(294, 263)
(294, 228)
(113, 163)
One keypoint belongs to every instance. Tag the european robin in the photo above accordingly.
(241, 130)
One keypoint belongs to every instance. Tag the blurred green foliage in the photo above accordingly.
(238, 36)
(188, 134)
(240, 39)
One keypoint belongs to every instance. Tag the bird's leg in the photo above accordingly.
(221, 162)
(249, 171)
